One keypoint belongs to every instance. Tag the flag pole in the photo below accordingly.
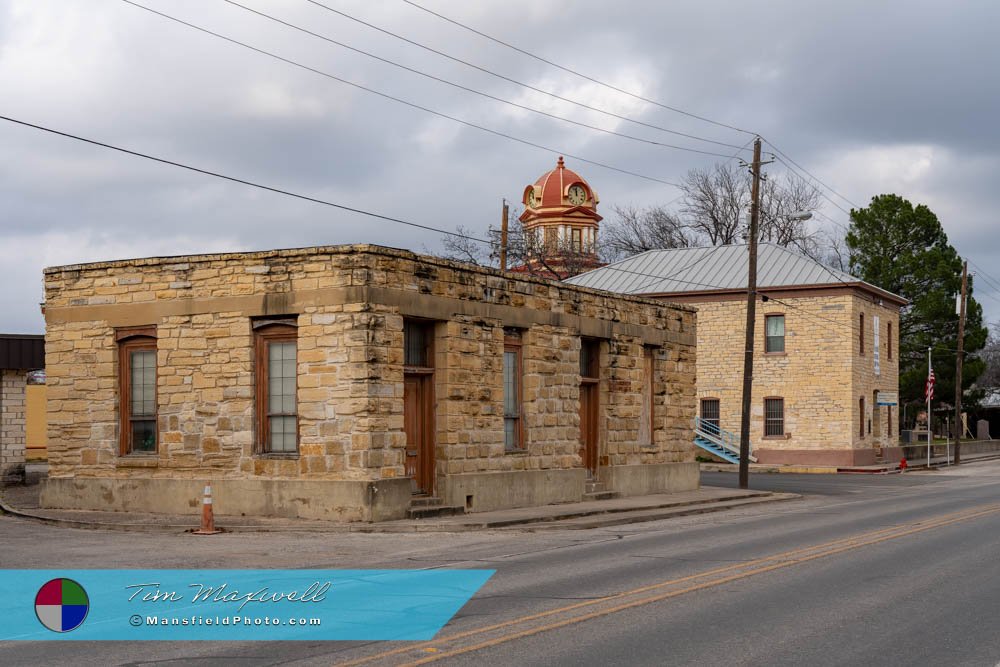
(929, 371)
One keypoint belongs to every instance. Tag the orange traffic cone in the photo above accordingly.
(207, 517)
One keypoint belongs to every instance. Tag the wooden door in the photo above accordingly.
(418, 426)
(588, 426)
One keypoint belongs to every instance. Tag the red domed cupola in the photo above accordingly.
(560, 219)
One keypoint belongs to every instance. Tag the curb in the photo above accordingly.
(595, 518)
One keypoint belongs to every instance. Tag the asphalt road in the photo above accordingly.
(897, 569)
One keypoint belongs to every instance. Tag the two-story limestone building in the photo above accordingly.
(825, 371)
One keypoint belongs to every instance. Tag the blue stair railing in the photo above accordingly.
(718, 441)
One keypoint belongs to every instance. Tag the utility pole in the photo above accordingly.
(503, 238)
(958, 365)
(751, 318)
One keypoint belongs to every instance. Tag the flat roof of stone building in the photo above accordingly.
(365, 248)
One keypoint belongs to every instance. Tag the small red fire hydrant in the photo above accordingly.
(902, 464)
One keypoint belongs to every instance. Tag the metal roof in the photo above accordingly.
(712, 269)
(23, 352)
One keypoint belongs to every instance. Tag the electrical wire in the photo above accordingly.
(779, 152)
(241, 181)
(399, 99)
(572, 71)
(817, 190)
(467, 88)
(512, 80)
(620, 90)
(316, 200)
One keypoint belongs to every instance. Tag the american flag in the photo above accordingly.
(929, 389)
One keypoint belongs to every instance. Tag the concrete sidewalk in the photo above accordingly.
(22, 501)
(881, 468)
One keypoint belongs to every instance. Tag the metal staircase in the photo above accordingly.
(722, 443)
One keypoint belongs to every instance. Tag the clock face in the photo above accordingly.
(530, 199)
(577, 195)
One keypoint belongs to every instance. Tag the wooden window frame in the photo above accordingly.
(593, 373)
(129, 340)
(576, 236)
(428, 331)
(701, 410)
(267, 332)
(888, 340)
(861, 417)
(784, 433)
(783, 336)
(512, 343)
(649, 356)
(861, 334)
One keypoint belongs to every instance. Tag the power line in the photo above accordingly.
(512, 80)
(359, 211)
(617, 89)
(400, 100)
(990, 280)
(241, 181)
(572, 71)
(467, 88)
(817, 190)
(779, 152)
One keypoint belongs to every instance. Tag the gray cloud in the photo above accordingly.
(871, 97)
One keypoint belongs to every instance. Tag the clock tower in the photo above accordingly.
(560, 223)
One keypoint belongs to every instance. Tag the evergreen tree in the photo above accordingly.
(903, 249)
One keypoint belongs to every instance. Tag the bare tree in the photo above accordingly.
(780, 197)
(715, 201)
(464, 247)
(990, 354)
(637, 230)
(714, 208)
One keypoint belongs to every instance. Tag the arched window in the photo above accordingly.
(137, 410)
(276, 366)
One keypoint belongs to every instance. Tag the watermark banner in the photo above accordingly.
(232, 605)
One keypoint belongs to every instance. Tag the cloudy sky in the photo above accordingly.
(870, 97)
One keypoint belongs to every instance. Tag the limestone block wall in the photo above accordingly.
(820, 374)
(349, 304)
(551, 398)
(865, 382)
(469, 392)
(12, 424)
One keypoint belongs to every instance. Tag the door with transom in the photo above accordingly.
(418, 405)
(589, 404)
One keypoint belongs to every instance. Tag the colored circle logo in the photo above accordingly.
(61, 605)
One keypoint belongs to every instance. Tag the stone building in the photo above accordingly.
(338, 382)
(19, 354)
(826, 373)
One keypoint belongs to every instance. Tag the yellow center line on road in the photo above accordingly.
(850, 541)
(979, 512)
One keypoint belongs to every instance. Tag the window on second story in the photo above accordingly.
(861, 333)
(775, 333)
(888, 340)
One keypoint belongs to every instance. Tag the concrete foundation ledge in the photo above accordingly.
(488, 491)
(649, 479)
(332, 500)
